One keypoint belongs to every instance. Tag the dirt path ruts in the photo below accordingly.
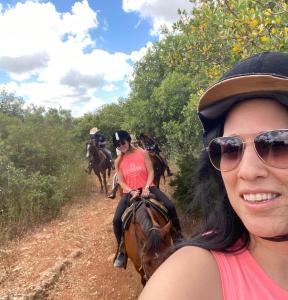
(69, 258)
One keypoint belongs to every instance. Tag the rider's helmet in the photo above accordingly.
(93, 130)
(121, 135)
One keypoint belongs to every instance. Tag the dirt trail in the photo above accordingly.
(69, 258)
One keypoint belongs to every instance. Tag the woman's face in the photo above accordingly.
(257, 192)
(123, 146)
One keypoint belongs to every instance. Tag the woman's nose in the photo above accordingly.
(251, 166)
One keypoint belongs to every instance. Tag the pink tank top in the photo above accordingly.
(243, 279)
(134, 170)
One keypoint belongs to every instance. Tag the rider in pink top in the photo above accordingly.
(239, 251)
(134, 170)
(135, 174)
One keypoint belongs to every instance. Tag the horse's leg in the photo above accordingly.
(100, 179)
(105, 181)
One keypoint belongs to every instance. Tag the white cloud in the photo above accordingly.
(158, 11)
(137, 55)
(45, 54)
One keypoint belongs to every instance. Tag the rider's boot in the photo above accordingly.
(112, 195)
(120, 259)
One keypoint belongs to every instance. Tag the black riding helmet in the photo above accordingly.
(264, 75)
(121, 135)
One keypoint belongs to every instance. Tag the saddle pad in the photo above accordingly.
(157, 205)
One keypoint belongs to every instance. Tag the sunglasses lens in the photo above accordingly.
(225, 153)
(272, 148)
(119, 143)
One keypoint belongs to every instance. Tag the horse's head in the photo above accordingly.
(158, 241)
(154, 238)
(91, 149)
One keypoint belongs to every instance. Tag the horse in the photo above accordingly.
(147, 234)
(159, 168)
(159, 165)
(100, 163)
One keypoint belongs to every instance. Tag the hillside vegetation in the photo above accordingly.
(41, 151)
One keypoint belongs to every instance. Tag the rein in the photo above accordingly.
(139, 250)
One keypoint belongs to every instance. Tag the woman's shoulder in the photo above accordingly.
(193, 268)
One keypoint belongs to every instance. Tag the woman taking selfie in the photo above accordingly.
(241, 248)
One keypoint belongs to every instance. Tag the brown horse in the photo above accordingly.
(147, 236)
(159, 168)
(159, 165)
(99, 162)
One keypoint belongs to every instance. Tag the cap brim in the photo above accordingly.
(237, 86)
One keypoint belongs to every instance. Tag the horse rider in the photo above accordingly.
(100, 141)
(135, 174)
(115, 184)
(151, 146)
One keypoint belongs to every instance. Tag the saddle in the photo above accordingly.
(127, 217)
(157, 205)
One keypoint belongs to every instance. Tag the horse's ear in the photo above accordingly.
(166, 229)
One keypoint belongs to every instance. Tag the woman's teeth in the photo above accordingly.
(259, 197)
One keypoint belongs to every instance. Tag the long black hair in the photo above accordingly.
(220, 227)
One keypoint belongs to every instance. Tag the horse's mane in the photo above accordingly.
(152, 233)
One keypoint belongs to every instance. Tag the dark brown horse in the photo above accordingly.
(159, 165)
(147, 236)
(99, 162)
(159, 168)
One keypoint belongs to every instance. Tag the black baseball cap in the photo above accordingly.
(263, 75)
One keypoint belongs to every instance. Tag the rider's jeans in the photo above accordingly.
(117, 222)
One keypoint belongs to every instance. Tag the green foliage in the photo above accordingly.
(185, 183)
(10, 104)
(41, 152)
(40, 164)
(204, 44)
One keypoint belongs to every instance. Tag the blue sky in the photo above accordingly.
(78, 54)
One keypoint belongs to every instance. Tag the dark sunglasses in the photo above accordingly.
(225, 153)
(119, 143)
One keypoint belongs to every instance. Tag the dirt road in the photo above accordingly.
(70, 257)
